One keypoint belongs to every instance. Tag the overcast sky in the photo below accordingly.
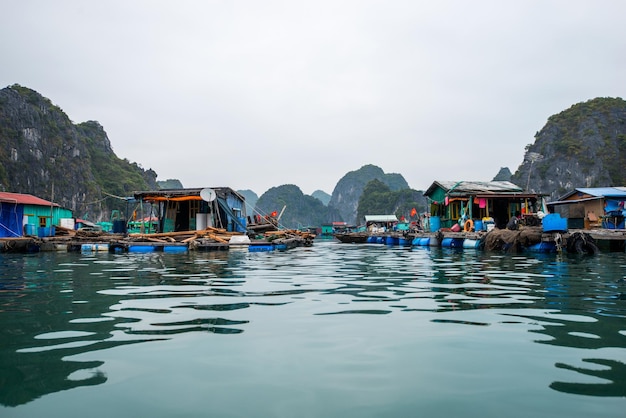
(256, 94)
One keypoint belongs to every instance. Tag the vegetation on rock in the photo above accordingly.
(583, 146)
(348, 190)
(170, 184)
(503, 175)
(322, 196)
(299, 210)
(43, 153)
(251, 199)
(379, 199)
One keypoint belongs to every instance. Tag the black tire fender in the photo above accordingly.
(586, 247)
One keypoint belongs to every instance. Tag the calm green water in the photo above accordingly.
(336, 330)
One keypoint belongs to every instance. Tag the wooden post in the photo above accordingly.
(51, 206)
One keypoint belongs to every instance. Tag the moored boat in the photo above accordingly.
(352, 237)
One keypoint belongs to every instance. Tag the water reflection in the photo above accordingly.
(589, 315)
(614, 375)
(54, 307)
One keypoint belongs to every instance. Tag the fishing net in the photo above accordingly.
(511, 241)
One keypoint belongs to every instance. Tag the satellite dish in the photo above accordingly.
(208, 195)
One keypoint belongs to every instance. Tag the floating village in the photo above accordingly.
(490, 216)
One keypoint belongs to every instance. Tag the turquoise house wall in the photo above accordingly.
(34, 212)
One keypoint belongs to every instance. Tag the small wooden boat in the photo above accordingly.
(352, 237)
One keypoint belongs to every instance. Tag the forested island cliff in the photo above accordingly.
(43, 153)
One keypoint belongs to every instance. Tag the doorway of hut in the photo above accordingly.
(176, 216)
(500, 213)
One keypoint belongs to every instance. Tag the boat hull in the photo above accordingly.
(352, 237)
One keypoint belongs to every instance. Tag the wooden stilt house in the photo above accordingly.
(25, 214)
(481, 203)
(194, 209)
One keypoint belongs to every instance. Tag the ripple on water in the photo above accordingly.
(420, 324)
(62, 334)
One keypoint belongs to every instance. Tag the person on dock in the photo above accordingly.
(513, 222)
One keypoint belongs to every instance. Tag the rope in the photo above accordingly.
(558, 240)
(117, 197)
(254, 210)
(97, 201)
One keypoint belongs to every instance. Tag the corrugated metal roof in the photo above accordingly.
(24, 199)
(172, 193)
(569, 202)
(484, 186)
(473, 187)
(590, 193)
(603, 191)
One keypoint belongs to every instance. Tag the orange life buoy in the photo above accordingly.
(468, 226)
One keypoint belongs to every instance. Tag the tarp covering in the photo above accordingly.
(11, 216)
(172, 199)
(231, 216)
(613, 207)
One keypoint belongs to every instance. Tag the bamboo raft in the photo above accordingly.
(215, 239)
(209, 239)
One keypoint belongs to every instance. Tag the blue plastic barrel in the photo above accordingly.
(422, 242)
(452, 242)
(119, 226)
(260, 248)
(175, 249)
(542, 247)
(94, 247)
(435, 223)
(405, 242)
(471, 243)
(141, 248)
(30, 229)
(45, 231)
(389, 240)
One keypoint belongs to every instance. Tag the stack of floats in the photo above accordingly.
(552, 236)
(437, 239)
(578, 241)
(209, 239)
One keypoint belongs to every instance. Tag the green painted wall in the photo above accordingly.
(34, 214)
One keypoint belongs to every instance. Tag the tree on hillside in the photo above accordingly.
(300, 210)
(379, 199)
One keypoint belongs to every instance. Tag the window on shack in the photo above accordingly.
(481, 207)
(478, 212)
(514, 209)
(455, 210)
(194, 208)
